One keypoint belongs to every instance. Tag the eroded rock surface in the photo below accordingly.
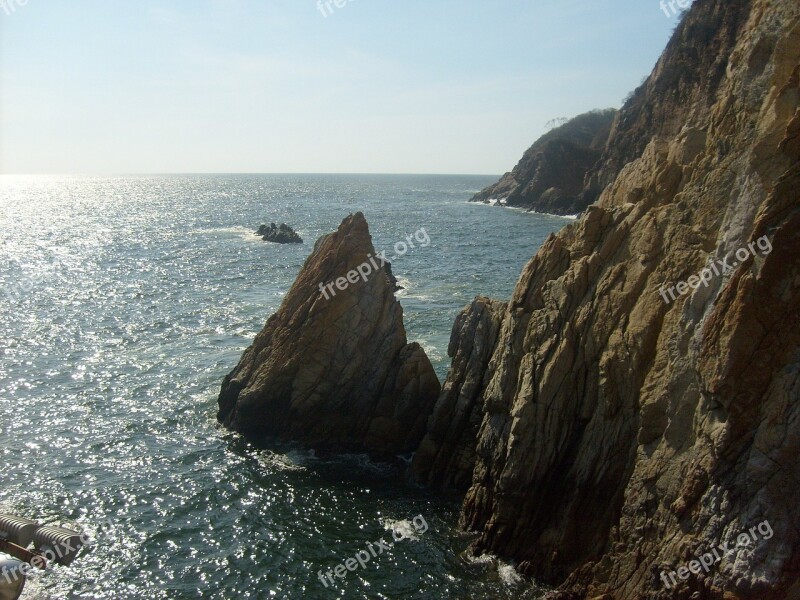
(335, 371)
(620, 436)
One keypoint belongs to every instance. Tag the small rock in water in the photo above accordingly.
(280, 235)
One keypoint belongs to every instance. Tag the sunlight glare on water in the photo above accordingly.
(126, 300)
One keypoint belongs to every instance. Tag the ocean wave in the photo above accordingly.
(431, 350)
(570, 217)
(406, 284)
(494, 202)
(481, 559)
(506, 572)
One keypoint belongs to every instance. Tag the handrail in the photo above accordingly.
(32, 558)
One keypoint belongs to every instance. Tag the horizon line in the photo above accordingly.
(178, 173)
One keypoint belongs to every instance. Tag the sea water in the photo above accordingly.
(125, 300)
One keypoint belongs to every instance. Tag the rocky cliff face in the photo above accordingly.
(619, 430)
(332, 368)
(550, 177)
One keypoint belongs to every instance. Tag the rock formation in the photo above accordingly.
(279, 235)
(332, 368)
(446, 457)
(616, 436)
(550, 176)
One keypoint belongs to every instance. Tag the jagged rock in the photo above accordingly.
(621, 435)
(550, 176)
(332, 368)
(446, 457)
(279, 235)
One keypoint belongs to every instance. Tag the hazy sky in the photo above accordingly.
(378, 86)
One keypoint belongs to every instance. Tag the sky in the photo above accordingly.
(276, 86)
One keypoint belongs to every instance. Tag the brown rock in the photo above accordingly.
(622, 435)
(335, 373)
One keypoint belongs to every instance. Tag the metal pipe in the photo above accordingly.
(18, 530)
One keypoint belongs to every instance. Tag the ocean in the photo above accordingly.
(127, 299)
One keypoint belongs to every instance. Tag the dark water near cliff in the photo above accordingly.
(126, 300)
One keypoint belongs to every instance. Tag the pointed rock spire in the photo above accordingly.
(333, 368)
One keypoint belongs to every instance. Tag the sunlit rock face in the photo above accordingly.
(333, 368)
(618, 435)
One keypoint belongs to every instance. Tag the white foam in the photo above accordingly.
(508, 574)
(431, 350)
(503, 202)
(243, 232)
(282, 462)
(505, 571)
(483, 559)
(405, 284)
(403, 527)
(570, 217)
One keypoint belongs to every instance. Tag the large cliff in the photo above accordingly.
(551, 176)
(610, 427)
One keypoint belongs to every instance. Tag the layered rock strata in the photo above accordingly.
(617, 435)
(333, 368)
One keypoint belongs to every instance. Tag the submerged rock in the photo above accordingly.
(279, 235)
(333, 368)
